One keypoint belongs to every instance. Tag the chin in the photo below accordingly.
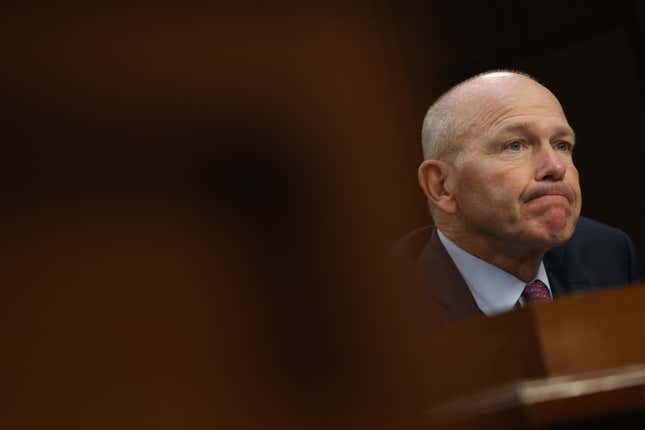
(560, 237)
(554, 235)
(549, 233)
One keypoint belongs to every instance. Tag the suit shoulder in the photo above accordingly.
(409, 247)
(589, 231)
(597, 255)
(592, 240)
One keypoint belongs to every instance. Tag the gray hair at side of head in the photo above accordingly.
(443, 127)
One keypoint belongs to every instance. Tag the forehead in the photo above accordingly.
(503, 103)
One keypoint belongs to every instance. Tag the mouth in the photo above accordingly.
(553, 205)
(550, 198)
(563, 195)
(552, 192)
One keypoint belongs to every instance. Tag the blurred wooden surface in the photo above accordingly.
(604, 399)
(579, 358)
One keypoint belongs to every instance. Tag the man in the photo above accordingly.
(503, 190)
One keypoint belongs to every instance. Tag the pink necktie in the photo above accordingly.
(536, 291)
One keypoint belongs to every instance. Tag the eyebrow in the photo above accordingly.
(559, 131)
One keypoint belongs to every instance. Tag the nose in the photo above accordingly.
(550, 165)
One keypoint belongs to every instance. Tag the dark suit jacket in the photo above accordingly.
(596, 256)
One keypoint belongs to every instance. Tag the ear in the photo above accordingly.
(436, 179)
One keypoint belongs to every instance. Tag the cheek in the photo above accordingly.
(470, 182)
(575, 180)
(499, 181)
(574, 183)
(488, 188)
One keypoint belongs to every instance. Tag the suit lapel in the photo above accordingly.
(562, 273)
(556, 281)
(447, 288)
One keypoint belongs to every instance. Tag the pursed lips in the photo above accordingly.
(561, 190)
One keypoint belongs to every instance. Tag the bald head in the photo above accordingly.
(460, 112)
(498, 171)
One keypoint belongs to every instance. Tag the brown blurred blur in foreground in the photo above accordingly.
(196, 208)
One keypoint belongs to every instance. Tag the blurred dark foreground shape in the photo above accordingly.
(196, 212)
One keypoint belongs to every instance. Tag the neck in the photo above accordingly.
(519, 261)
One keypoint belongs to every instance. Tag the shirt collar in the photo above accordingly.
(493, 289)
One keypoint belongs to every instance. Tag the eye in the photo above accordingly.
(564, 146)
(516, 145)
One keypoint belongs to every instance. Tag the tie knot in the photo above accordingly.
(536, 291)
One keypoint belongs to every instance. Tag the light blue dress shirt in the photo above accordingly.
(494, 290)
